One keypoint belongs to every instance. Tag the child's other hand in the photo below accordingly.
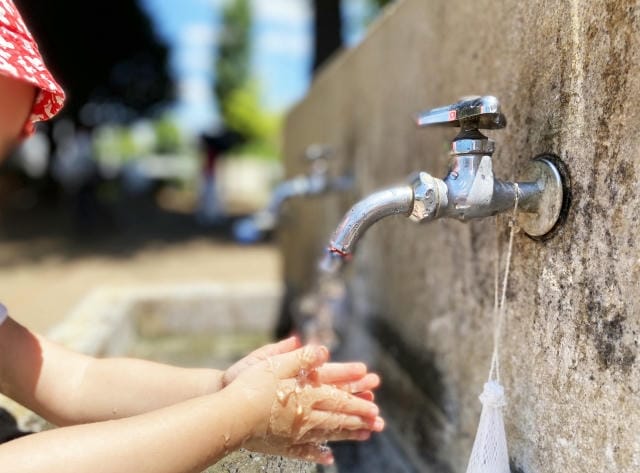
(293, 411)
(256, 356)
(351, 377)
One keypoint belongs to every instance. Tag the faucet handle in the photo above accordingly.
(474, 112)
(317, 155)
(317, 152)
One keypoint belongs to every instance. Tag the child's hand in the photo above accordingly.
(293, 411)
(351, 377)
(256, 356)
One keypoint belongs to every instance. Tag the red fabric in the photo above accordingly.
(20, 59)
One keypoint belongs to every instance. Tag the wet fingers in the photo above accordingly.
(278, 348)
(367, 395)
(256, 356)
(296, 362)
(330, 421)
(337, 400)
(340, 373)
(367, 383)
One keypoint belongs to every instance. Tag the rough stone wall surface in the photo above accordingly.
(567, 74)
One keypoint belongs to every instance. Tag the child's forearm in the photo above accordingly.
(185, 437)
(121, 387)
(69, 388)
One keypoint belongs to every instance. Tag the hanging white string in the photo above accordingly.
(494, 372)
(490, 453)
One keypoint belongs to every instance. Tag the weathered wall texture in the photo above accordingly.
(568, 77)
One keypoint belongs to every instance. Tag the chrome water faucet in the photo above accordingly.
(469, 190)
(317, 181)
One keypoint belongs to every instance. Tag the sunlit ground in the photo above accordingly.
(48, 266)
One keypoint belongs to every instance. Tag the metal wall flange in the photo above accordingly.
(551, 176)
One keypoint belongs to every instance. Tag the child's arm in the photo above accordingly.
(69, 388)
(191, 435)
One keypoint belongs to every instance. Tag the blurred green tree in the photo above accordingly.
(168, 136)
(234, 52)
(381, 3)
(238, 94)
(246, 116)
(102, 53)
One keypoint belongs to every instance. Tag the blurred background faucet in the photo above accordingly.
(470, 190)
(317, 181)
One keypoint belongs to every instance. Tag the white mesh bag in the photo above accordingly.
(489, 453)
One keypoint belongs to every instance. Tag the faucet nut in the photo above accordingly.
(473, 146)
(429, 195)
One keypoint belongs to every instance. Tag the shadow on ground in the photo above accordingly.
(70, 229)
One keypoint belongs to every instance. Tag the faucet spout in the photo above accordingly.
(296, 186)
(255, 226)
(317, 182)
(374, 207)
(303, 186)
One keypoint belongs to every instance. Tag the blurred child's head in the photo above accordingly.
(17, 99)
(28, 91)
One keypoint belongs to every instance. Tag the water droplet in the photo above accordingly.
(271, 365)
(226, 437)
(324, 448)
(308, 354)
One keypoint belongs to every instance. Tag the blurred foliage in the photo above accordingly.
(103, 53)
(168, 136)
(117, 144)
(245, 115)
(381, 3)
(233, 57)
(376, 8)
(237, 94)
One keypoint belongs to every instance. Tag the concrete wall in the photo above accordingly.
(568, 77)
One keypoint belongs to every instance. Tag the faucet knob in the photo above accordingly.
(318, 156)
(317, 152)
(469, 113)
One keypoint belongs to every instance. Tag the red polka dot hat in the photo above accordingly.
(20, 59)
